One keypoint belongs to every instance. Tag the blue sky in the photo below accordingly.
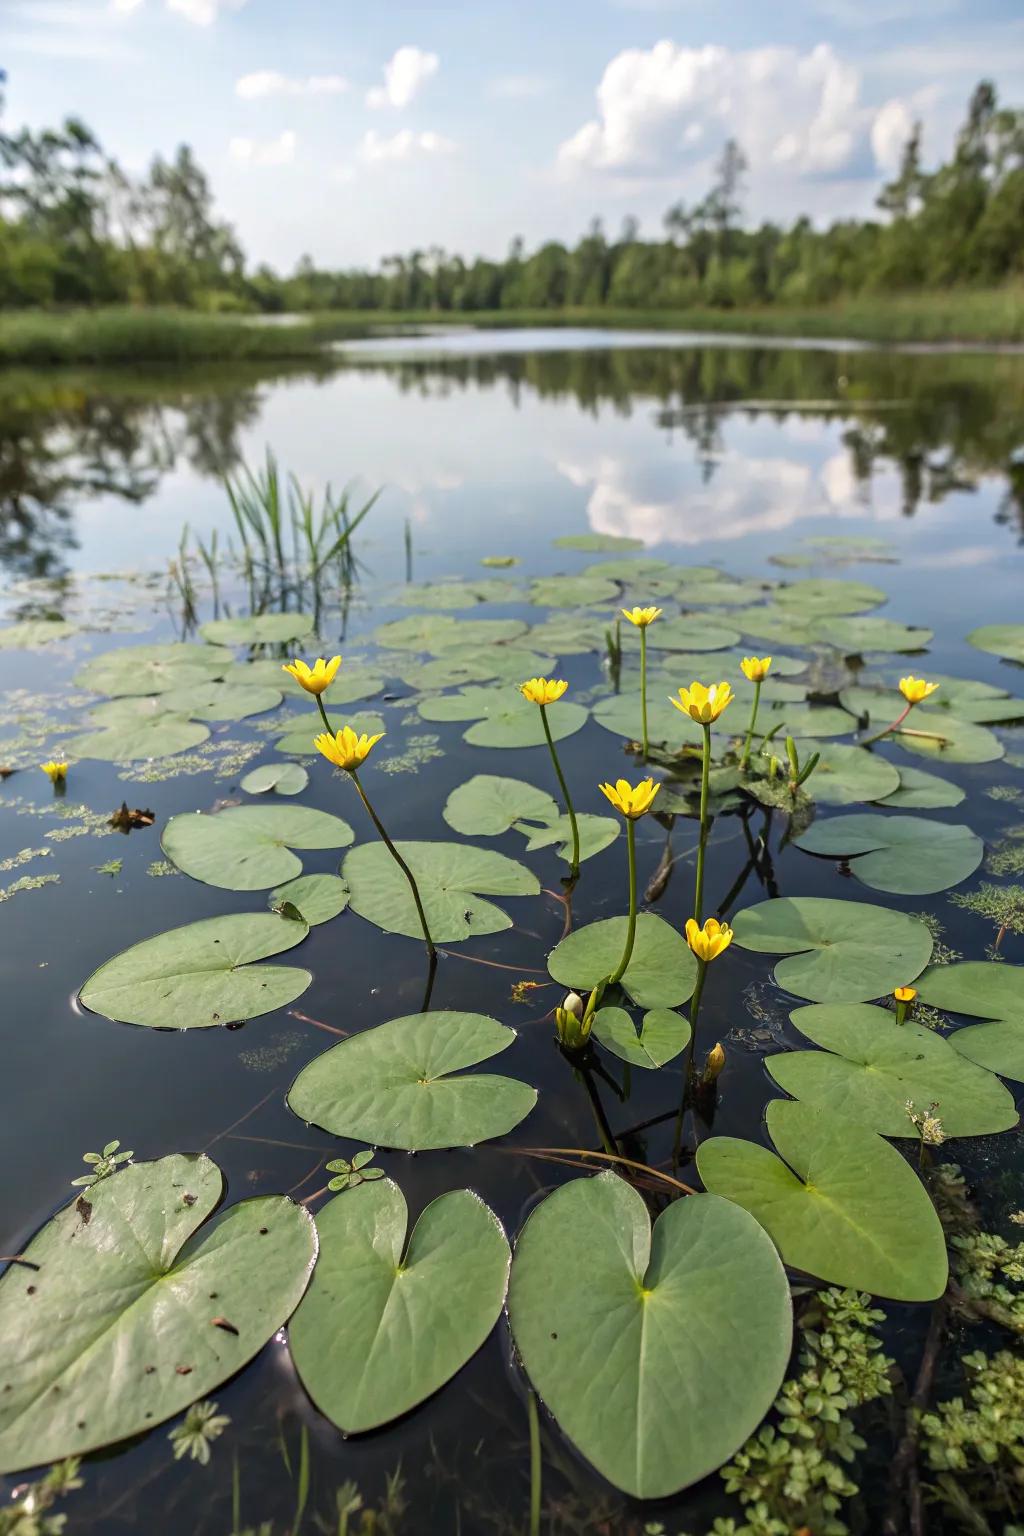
(352, 131)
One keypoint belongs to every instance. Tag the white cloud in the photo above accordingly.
(794, 112)
(404, 73)
(268, 82)
(279, 151)
(517, 87)
(889, 133)
(403, 145)
(203, 12)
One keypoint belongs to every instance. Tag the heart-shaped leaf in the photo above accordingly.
(159, 735)
(596, 834)
(907, 855)
(858, 636)
(142, 669)
(222, 701)
(662, 1036)
(201, 975)
(571, 635)
(615, 1323)
(452, 879)
(1006, 640)
(846, 774)
(838, 1201)
(982, 989)
(572, 591)
(317, 897)
(824, 595)
(396, 1085)
(929, 732)
(870, 1066)
(596, 541)
(383, 1326)
(247, 847)
(691, 632)
(260, 629)
(133, 1307)
(839, 951)
(33, 632)
(504, 718)
(487, 805)
(920, 791)
(281, 778)
(458, 594)
(662, 972)
(666, 725)
(437, 633)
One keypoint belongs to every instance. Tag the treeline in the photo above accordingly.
(75, 229)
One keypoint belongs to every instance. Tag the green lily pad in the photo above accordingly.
(304, 729)
(691, 633)
(458, 594)
(280, 778)
(823, 596)
(630, 570)
(33, 632)
(907, 855)
(921, 791)
(504, 718)
(858, 636)
(982, 989)
(355, 680)
(317, 897)
(947, 735)
(662, 972)
(1006, 640)
(845, 774)
(221, 701)
(720, 593)
(595, 542)
(572, 591)
(663, 1034)
(260, 629)
(870, 1066)
(403, 1084)
(487, 805)
(161, 735)
(202, 975)
(248, 847)
(838, 1202)
(811, 720)
(666, 725)
(837, 951)
(773, 622)
(507, 662)
(383, 1326)
(596, 833)
(437, 633)
(609, 1355)
(113, 1335)
(570, 635)
(141, 669)
(452, 878)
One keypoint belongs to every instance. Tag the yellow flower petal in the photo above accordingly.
(905, 994)
(632, 801)
(755, 668)
(914, 689)
(55, 772)
(641, 617)
(543, 690)
(708, 942)
(704, 704)
(347, 749)
(317, 677)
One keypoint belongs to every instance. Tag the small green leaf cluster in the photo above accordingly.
(197, 1431)
(983, 1262)
(29, 1514)
(349, 1175)
(977, 1448)
(103, 1164)
(794, 1472)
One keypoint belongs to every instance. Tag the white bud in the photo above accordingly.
(573, 1003)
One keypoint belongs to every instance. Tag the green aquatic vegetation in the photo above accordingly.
(907, 855)
(453, 880)
(29, 1512)
(836, 951)
(24, 856)
(161, 867)
(111, 867)
(1009, 792)
(990, 1273)
(249, 847)
(195, 1435)
(975, 1444)
(224, 759)
(103, 1164)
(1001, 905)
(268, 1058)
(349, 1175)
(1006, 854)
(942, 953)
(419, 750)
(27, 883)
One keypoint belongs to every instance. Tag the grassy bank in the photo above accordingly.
(128, 336)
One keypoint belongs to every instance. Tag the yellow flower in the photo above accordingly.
(346, 749)
(905, 994)
(914, 689)
(704, 704)
(755, 669)
(541, 690)
(316, 678)
(55, 772)
(708, 942)
(641, 617)
(631, 802)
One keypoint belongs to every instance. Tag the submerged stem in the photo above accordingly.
(745, 758)
(705, 776)
(574, 869)
(627, 952)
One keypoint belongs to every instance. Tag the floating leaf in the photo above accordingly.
(402, 1084)
(201, 975)
(845, 774)
(247, 847)
(141, 669)
(928, 732)
(826, 596)
(666, 725)
(907, 855)
(567, 635)
(691, 633)
(982, 989)
(452, 879)
(436, 633)
(847, 1209)
(458, 594)
(662, 1036)
(115, 1333)
(355, 680)
(1006, 640)
(304, 729)
(161, 735)
(595, 542)
(317, 897)
(839, 951)
(281, 778)
(615, 1323)
(572, 591)
(870, 1066)
(855, 637)
(661, 973)
(596, 833)
(812, 720)
(260, 629)
(487, 805)
(384, 1326)
(221, 701)
(921, 791)
(32, 632)
(510, 663)
(504, 718)
(773, 622)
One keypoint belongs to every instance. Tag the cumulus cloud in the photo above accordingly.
(279, 151)
(889, 133)
(203, 12)
(404, 74)
(403, 145)
(661, 107)
(268, 82)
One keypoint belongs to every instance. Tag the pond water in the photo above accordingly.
(903, 472)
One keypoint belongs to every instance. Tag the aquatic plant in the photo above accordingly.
(641, 619)
(542, 692)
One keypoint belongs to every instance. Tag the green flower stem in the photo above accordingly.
(631, 929)
(535, 1463)
(889, 728)
(643, 686)
(705, 777)
(574, 869)
(744, 760)
(403, 866)
(323, 715)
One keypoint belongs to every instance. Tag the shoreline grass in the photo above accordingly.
(121, 336)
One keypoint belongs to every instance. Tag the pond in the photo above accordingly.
(855, 513)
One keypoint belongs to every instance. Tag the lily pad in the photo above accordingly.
(403, 1084)
(594, 542)
(487, 805)
(773, 622)
(870, 1066)
(811, 720)
(921, 791)
(260, 629)
(661, 973)
(280, 778)
(458, 594)
(596, 834)
(837, 951)
(982, 989)
(907, 855)
(945, 735)
(141, 669)
(567, 635)
(846, 774)
(303, 730)
(504, 718)
(663, 1034)
(247, 847)
(666, 725)
(221, 701)
(838, 1202)
(317, 897)
(614, 1323)
(572, 591)
(355, 680)
(202, 975)
(436, 633)
(33, 632)
(452, 878)
(507, 662)
(692, 632)
(823, 596)
(1006, 640)
(161, 735)
(383, 1326)
(858, 636)
(139, 1304)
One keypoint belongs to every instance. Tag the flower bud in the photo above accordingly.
(713, 1063)
(573, 1003)
(573, 1033)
